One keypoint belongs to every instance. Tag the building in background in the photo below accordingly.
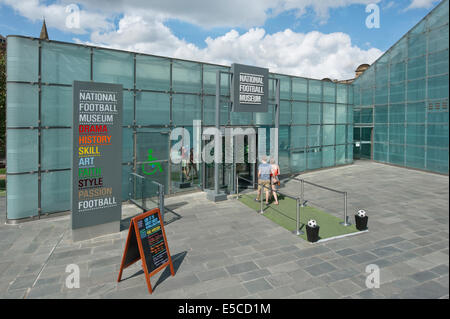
(395, 111)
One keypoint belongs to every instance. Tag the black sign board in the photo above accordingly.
(97, 154)
(249, 88)
(147, 241)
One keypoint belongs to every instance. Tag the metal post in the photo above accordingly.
(161, 201)
(216, 152)
(144, 202)
(297, 230)
(302, 190)
(261, 196)
(345, 222)
(237, 186)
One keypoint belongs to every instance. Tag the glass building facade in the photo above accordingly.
(159, 94)
(401, 101)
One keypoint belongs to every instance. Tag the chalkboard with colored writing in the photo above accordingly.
(147, 241)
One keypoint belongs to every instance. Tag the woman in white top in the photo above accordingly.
(274, 181)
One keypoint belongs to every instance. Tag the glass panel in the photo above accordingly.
(126, 170)
(285, 112)
(299, 89)
(416, 90)
(381, 94)
(380, 152)
(285, 87)
(438, 63)
(298, 161)
(381, 74)
(438, 39)
(57, 106)
(209, 113)
(313, 135)
(22, 154)
(437, 116)
(397, 92)
(438, 87)
(381, 133)
(186, 109)
(329, 113)
(266, 118)
(328, 156)
(341, 93)
(381, 114)
(209, 79)
(152, 73)
(397, 113)
(417, 68)
(417, 44)
(328, 135)
(415, 112)
(127, 145)
(22, 196)
(439, 16)
(367, 96)
(350, 134)
(415, 157)
(398, 72)
(299, 112)
(415, 134)
(397, 133)
(340, 155)
(341, 113)
(152, 108)
(437, 135)
(437, 160)
(349, 154)
(22, 60)
(367, 115)
(329, 92)
(56, 191)
(366, 134)
(357, 116)
(314, 114)
(128, 108)
(62, 63)
(315, 90)
(398, 52)
(22, 104)
(114, 67)
(397, 154)
(56, 151)
(298, 137)
(186, 77)
(357, 133)
(314, 158)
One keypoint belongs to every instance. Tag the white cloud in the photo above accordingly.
(312, 54)
(417, 4)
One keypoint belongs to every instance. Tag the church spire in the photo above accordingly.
(44, 34)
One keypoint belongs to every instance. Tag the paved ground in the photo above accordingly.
(225, 250)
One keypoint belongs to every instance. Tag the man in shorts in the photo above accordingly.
(264, 170)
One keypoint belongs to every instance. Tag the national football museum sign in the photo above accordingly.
(249, 88)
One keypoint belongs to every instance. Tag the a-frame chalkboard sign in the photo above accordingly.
(147, 241)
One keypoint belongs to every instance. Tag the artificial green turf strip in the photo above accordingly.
(285, 214)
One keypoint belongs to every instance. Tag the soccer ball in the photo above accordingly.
(312, 223)
(361, 213)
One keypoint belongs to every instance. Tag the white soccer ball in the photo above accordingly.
(312, 223)
(361, 213)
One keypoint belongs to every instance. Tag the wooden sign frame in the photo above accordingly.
(134, 231)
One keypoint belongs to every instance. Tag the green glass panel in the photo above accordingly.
(22, 105)
(56, 148)
(417, 44)
(366, 151)
(438, 39)
(314, 158)
(415, 157)
(366, 134)
(437, 116)
(342, 93)
(128, 108)
(186, 77)
(63, 63)
(437, 135)
(56, 192)
(314, 113)
(299, 112)
(329, 113)
(298, 161)
(381, 73)
(340, 134)
(340, 155)
(209, 113)
(398, 52)
(328, 156)
(367, 96)
(186, 109)
(439, 16)
(285, 87)
(153, 108)
(415, 134)
(285, 112)
(299, 89)
(22, 59)
(397, 113)
(126, 170)
(437, 160)
(350, 134)
(114, 67)
(438, 63)
(357, 116)
(398, 72)
(328, 135)
(438, 87)
(380, 133)
(415, 112)
(329, 92)
(357, 133)
(341, 113)
(367, 115)
(380, 152)
(298, 137)
(381, 114)
(22, 154)
(152, 73)
(315, 90)
(22, 196)
(397, 154)
(397, 133)
(57, 106)
(266, 118)
(127, 145)
(397, 92)
(314, 135)
(416, 90)
(381, 94)
(417, 68)
(209, 79)
(349, 154)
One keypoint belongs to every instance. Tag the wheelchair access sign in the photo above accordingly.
(151, 166)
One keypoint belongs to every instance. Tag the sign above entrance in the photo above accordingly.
(249, 88)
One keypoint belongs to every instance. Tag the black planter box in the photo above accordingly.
(312, 233)
(361, 222)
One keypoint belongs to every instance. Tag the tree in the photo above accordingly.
(2, 103)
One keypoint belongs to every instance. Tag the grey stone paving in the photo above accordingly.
(226, 250)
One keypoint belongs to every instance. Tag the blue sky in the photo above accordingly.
(181, 31)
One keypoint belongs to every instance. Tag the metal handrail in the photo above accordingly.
(160, 194)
